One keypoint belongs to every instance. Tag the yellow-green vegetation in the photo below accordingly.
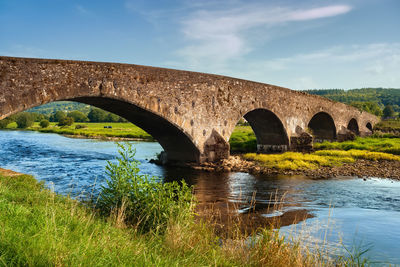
(243, 140)
(388, 125)
(386, 145)
(322, 158)
(41, 228)
(93, 129)
(297, 160)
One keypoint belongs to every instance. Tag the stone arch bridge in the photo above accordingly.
(192, 115)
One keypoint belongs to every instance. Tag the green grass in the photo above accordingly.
(243, 140)
(388, 125)
(119, 130)
(321, 158)
(41, 228)
(386, 145)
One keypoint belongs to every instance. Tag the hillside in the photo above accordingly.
(380, 96)
(67, 106)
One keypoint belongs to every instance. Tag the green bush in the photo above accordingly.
(80, 126)
(44, 123)
(141, 201)
(24, 120)
(4, 123)
(78, 116)
(66, 121)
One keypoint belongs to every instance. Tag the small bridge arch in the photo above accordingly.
(353, 126)
(369, 126)
(269, 130)
(322, 126)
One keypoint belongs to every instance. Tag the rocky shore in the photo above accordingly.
(360, 168)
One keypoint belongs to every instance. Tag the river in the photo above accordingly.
(361, 213)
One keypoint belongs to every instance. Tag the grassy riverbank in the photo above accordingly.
(41, 228)
(321, 158)
(373, 144)
(93, 130)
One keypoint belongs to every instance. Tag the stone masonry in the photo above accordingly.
(192, 115)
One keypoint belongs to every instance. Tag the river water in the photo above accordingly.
(352, 211)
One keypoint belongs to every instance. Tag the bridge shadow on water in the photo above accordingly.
(244, 200)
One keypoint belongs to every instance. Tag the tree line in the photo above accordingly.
(378, 101)
(26, 119)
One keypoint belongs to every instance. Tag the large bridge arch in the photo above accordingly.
(177, 145)
(269, 130)
(322, 126)
(175, 142)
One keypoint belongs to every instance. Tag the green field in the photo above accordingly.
(386, 145)
(243, 140)
(388, 125)
(118, 130)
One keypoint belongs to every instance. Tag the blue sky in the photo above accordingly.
(296, 44)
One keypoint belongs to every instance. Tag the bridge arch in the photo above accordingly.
(322, 126)
(369, 126)
(178, 146)
(269, 130)
(353, 126)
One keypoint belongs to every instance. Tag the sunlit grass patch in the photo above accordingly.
(386, 145)
(243, 140)
(296, 160)
(359, 154)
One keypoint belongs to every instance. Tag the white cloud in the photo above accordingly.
(82, 10)
(347, 66)
(220, 35)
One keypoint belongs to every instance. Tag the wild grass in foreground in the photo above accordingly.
(41, 228)
(386, 145)
(321, 158)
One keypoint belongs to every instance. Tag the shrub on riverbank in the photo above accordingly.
(138, 199)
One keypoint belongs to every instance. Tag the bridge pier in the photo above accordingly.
(271, 148)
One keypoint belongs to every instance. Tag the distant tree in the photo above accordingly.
(370, 107)
(97, 115)
(4, 123)
(38, 117)
(24, 120)
(78, 116)
(388, 111)
(122, 120)
(66, 121)
(111, 117)
(44, 123)
(59, 115)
